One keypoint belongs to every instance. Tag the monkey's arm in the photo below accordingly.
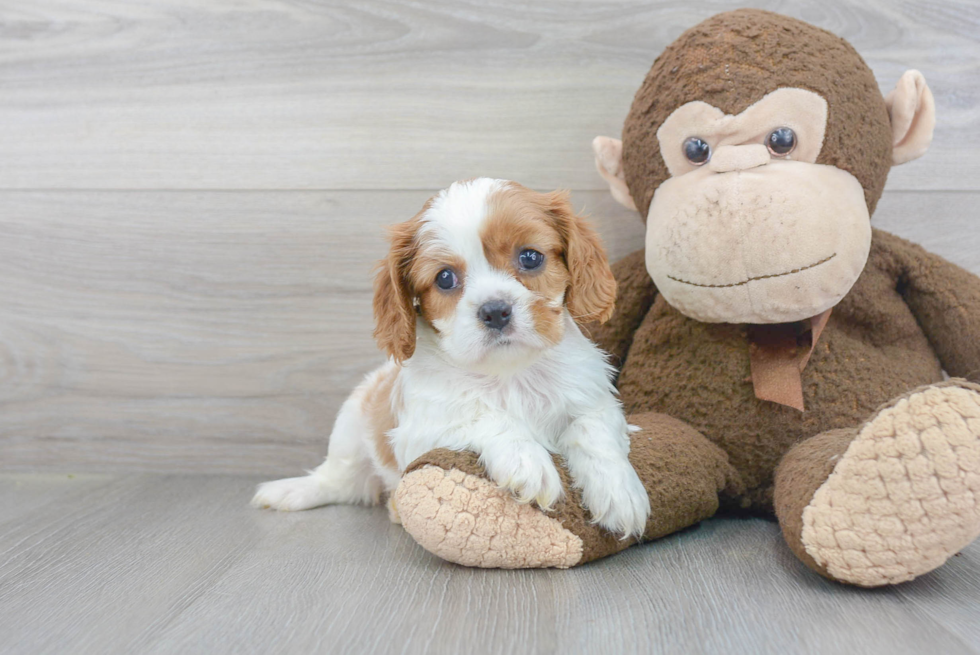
(945, 300)
(635, 294)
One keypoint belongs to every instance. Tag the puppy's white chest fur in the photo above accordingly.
(443, 406)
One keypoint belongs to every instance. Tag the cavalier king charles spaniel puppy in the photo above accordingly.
(478, 306)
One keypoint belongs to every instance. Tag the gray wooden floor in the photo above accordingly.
(180, 564)
(192, 196)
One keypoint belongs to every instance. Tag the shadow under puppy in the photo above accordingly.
(478, 305)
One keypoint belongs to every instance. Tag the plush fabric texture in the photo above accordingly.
(872, 350)
(905, 496)
(802, 250)
(804, 469)
(454, 512)
(801, 110)
(733, 59)
(913, 116)
(449, 507)
(609, 165)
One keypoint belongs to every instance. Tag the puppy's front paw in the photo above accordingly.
(527, 471)
(618, 501)
(290, 494)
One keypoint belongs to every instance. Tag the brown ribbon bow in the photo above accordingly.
(778, 354)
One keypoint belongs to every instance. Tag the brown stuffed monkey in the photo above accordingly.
(779, 354)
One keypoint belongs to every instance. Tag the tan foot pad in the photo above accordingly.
(904, 496)
(439, 509)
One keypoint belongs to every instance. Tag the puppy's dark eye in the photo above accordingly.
(697, 150)
(781, 142)
(446, 279)
(530, 259)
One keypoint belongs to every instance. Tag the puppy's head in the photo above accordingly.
(492, 268)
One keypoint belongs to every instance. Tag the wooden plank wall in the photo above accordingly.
(192, 194)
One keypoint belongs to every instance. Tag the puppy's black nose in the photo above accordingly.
(495, 314)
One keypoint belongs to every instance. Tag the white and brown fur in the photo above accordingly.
(513, 395)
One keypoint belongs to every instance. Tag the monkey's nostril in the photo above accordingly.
(495, 314)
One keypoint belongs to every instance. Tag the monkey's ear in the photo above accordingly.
(609, 163)
(912, 111)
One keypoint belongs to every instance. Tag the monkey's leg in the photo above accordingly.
(891, 499)
(448, 505)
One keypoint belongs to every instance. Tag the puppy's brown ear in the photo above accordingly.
(592, 290)
(394, 307)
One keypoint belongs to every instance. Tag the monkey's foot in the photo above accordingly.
(450, 506)
(464, 518)
(905, 494)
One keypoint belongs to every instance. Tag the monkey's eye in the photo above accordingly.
(697, 150)
(530, 259)
(781, 141)
(446, 279)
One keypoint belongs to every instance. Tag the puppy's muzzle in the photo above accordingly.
(495, 315)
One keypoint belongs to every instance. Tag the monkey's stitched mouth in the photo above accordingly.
(753, 279)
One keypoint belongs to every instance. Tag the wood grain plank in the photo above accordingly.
(284, 94)
(939, 596)
(732, 585)
(25, 494)
(193, 331)
(164, 564)
(95, 571)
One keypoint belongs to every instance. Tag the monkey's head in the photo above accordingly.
(756, 149)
